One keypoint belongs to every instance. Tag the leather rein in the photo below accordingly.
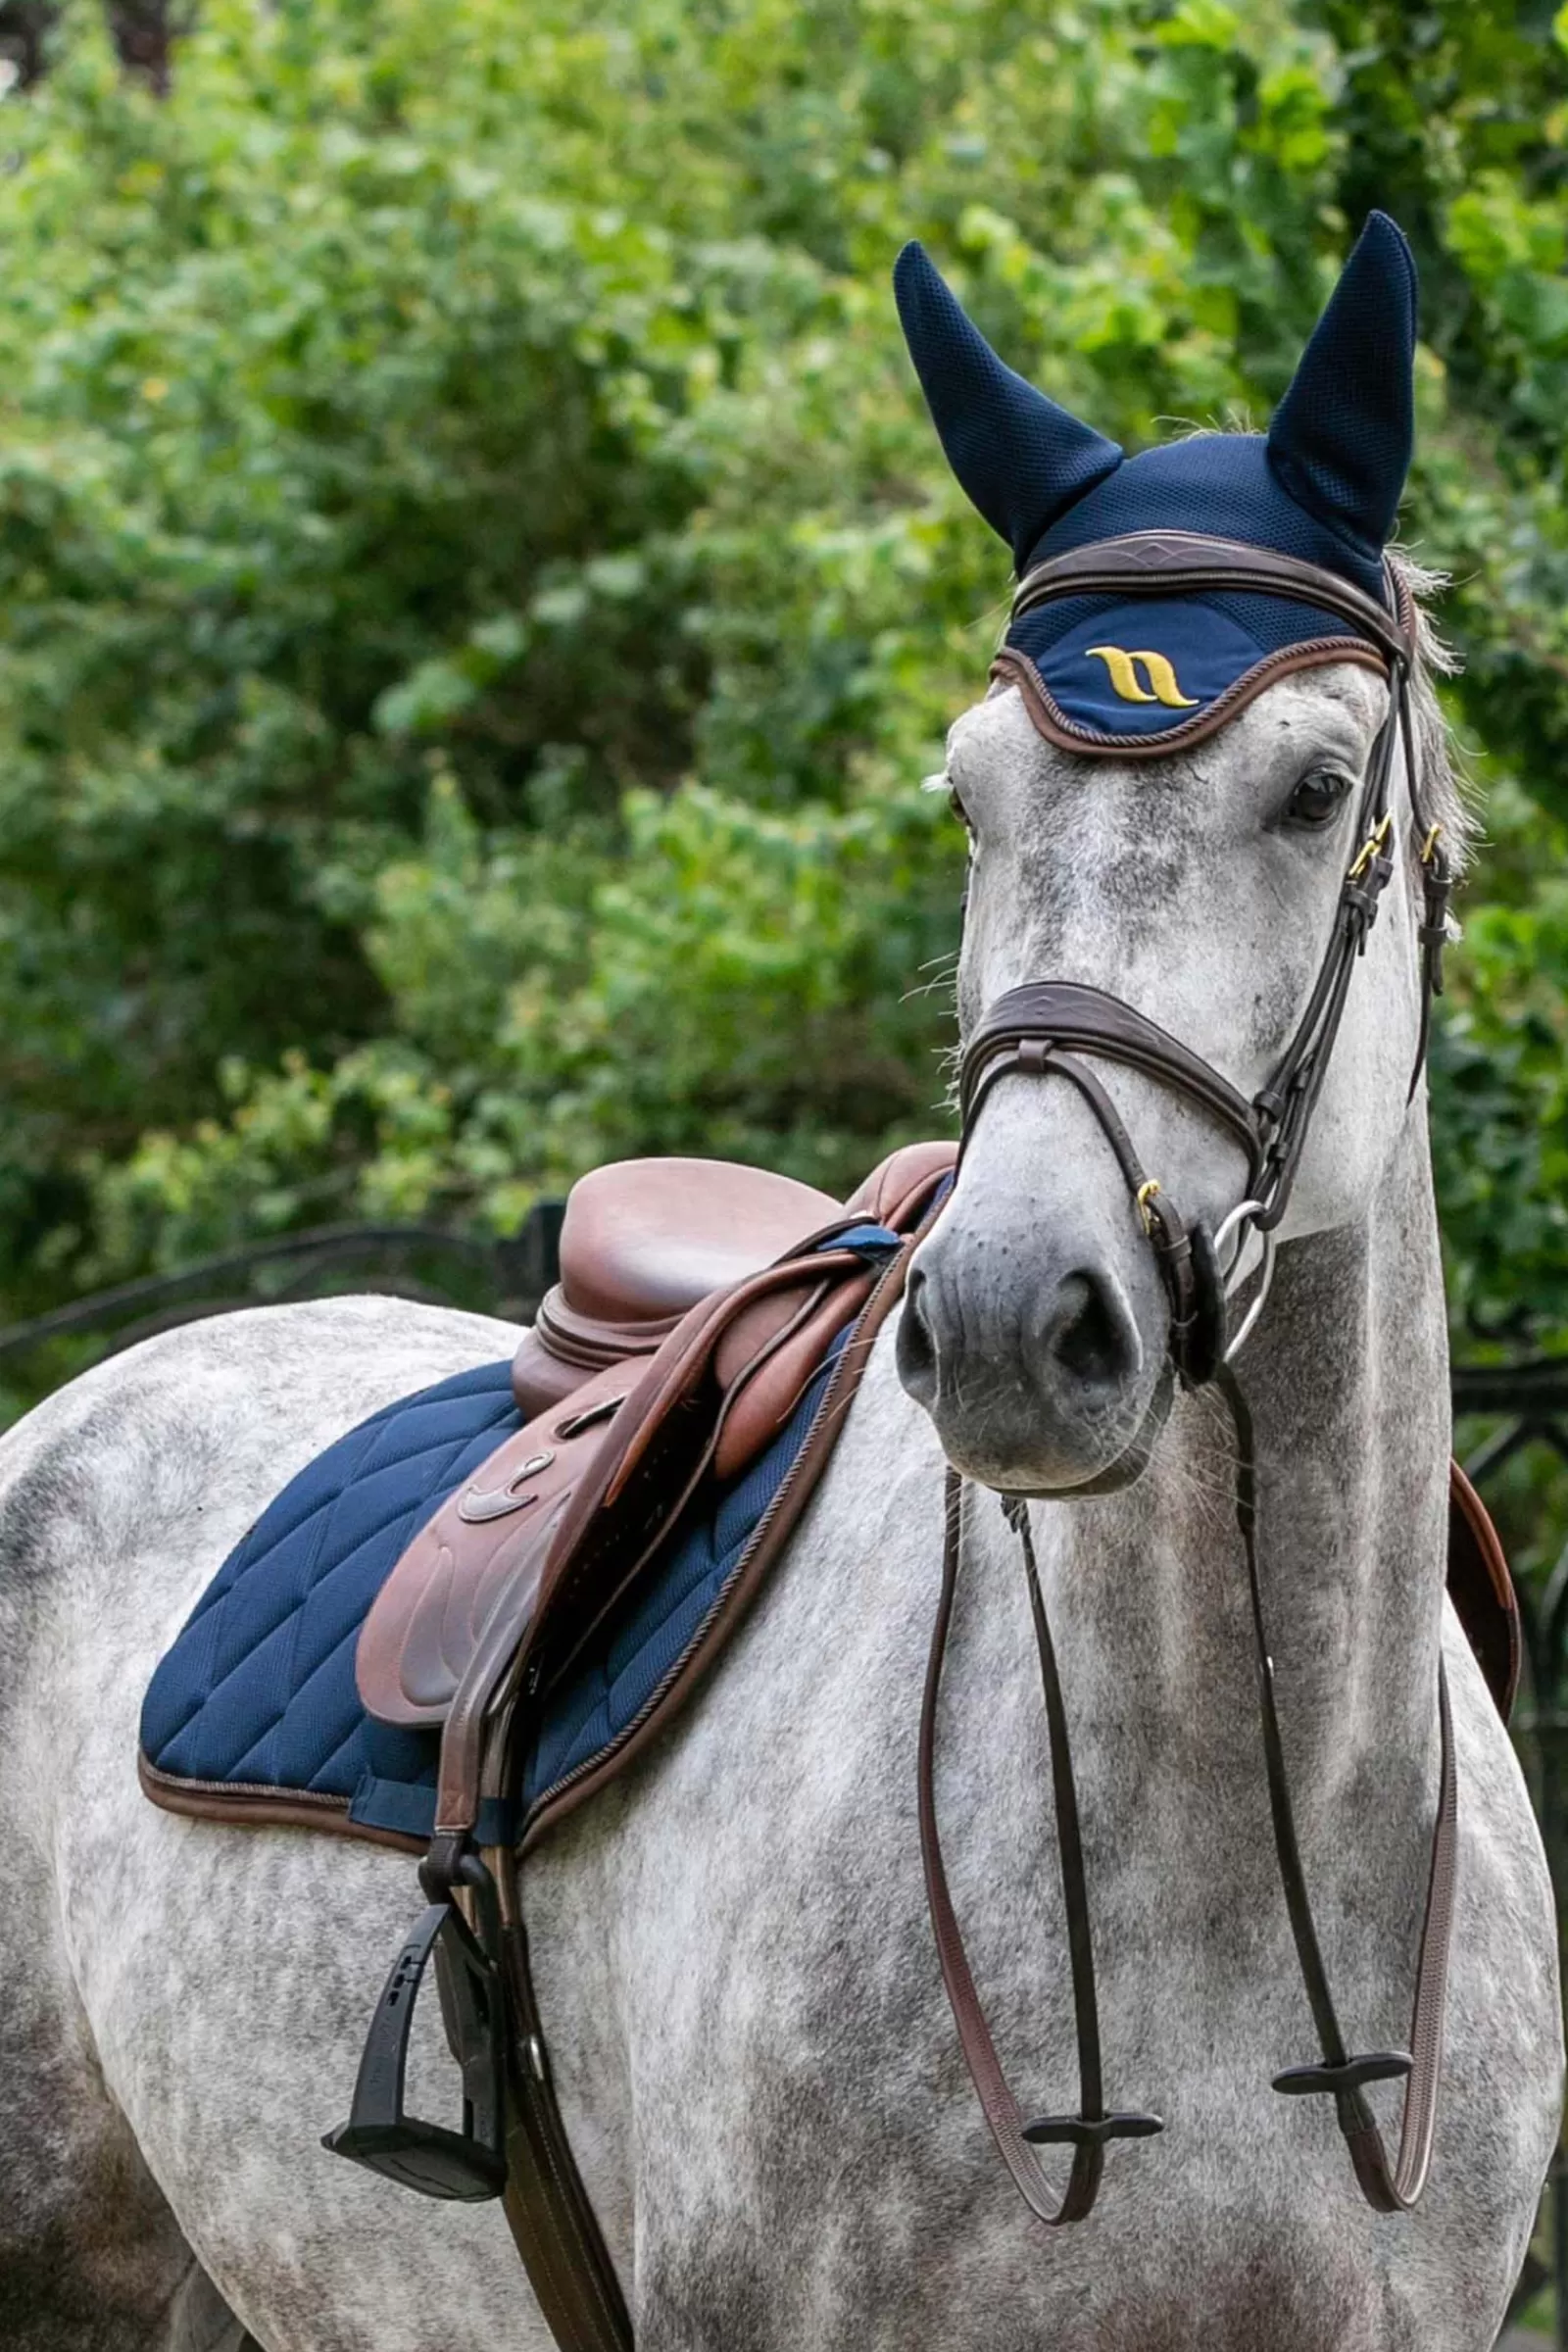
(1048, 1028)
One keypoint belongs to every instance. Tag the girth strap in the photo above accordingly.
(548, 2209)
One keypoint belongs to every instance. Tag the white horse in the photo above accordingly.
(756, 2059)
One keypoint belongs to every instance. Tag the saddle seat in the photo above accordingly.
(644, 1241)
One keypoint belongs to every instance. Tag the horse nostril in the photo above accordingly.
(1093, 1337)
(916, 1350)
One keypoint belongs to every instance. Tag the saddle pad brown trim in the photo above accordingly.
(258, 1807)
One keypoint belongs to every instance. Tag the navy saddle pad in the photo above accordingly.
(257, 1699)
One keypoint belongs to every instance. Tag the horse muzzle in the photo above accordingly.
(1034, 1330)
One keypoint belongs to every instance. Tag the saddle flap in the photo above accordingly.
(731, 1351)
(486, 1544)
(763, 1374)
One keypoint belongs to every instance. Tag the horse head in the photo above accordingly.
(1207, 792)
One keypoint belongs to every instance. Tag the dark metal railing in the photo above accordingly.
(507, 1275)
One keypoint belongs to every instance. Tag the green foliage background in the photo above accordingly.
(478, 594)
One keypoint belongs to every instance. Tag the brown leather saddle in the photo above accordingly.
(696, 1303)
(696, 1300)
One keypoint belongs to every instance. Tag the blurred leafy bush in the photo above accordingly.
(478, 594)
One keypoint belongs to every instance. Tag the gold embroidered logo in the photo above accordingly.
(1161, 687)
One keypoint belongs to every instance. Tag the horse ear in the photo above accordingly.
(1340, 438)
(1022, 458)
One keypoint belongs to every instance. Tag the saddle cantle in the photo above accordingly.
(642, 1242)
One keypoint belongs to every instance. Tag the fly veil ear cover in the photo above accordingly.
(1126, 672)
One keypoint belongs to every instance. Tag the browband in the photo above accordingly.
(1190, 563)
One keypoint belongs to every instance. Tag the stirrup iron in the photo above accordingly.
(468, 2164)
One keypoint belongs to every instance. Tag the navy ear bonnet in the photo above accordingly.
(1322, 485)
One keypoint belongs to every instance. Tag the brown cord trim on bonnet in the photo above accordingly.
(1191, 564)
(1014, 668)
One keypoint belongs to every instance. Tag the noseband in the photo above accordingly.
(1055, 1028)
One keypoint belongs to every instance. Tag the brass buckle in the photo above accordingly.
(1372, 847)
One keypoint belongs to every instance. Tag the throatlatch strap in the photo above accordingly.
(1088, 2131)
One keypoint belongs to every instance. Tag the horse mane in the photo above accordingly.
(1446, 787)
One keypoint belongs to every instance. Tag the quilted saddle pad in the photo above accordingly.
(254, 1709)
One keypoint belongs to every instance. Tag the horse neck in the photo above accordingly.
(1346, 1377)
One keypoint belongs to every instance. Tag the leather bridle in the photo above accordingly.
(1055, 1028)
(1045, 1023)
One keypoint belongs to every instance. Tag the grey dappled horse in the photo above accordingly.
(757, 2061)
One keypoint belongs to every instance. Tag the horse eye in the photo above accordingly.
(1318, 799)
(956, 803)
